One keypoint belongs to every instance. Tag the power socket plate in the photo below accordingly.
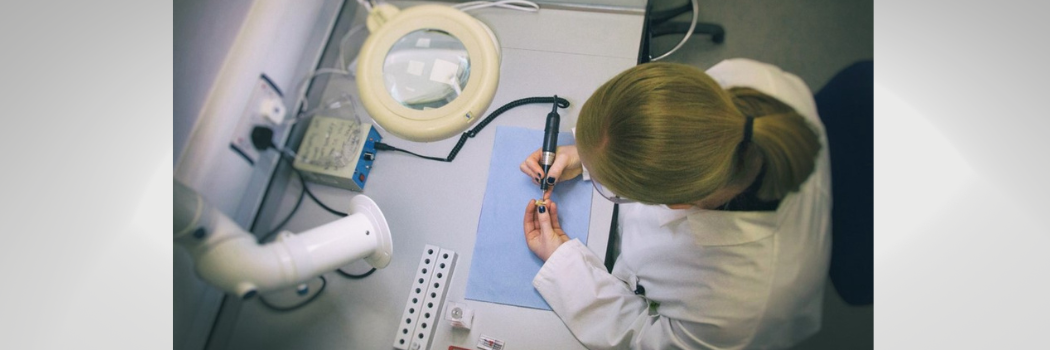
(265, 107)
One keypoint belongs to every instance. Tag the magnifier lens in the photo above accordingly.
(426, 69)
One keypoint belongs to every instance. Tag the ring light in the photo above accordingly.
(428, 72)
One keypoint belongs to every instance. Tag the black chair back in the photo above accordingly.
(846, 107)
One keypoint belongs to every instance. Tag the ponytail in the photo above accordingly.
(784, 139)
(667, 133)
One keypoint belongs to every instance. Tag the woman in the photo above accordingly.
(725, 185)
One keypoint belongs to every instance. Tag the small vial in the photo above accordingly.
(459, 315)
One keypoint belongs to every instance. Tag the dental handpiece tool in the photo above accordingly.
(550, 143)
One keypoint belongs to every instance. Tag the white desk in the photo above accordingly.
(564, 52)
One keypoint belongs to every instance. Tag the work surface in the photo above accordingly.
(565, 52)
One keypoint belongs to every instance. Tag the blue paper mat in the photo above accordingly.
(502, 267)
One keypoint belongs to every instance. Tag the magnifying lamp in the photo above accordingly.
(229, 258)
(428, 72)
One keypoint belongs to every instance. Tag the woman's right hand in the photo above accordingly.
(566, 166)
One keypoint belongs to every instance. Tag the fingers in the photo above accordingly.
(566, 165)
(535, 175)
(556, 170)
(553, 209)
(543, 217)
(531, 167)
(530, 217)
(543, 233)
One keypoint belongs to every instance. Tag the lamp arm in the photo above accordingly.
(229, 258)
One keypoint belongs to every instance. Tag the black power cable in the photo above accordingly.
(563, 103)
(324, 283)
(262, 138)
(355, 277)
(316, 200)
(306, 190)
(290, 214)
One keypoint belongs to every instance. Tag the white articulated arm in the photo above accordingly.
(229, 258)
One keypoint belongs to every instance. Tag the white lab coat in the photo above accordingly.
(723, 280)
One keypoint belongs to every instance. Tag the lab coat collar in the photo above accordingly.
(722, 228)
(666, 216)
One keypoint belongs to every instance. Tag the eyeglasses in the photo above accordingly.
(608, 194)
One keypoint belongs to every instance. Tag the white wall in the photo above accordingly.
(204, 34)
(220, 50)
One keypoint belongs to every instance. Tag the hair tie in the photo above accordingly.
(748, 126)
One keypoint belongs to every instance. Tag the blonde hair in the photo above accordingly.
(665, 133)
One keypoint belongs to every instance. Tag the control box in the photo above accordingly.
(337, 152)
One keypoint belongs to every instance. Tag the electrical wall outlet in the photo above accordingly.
(264, 108)
(425, 297)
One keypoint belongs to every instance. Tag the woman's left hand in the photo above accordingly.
(543, 232)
